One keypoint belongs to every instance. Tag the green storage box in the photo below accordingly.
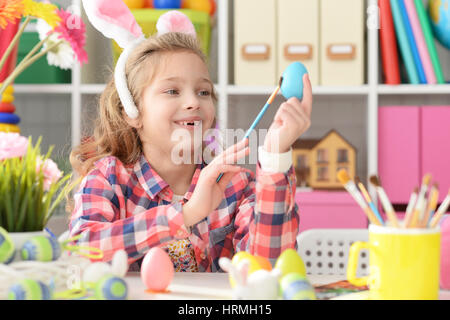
(39, 71)
(147, 18)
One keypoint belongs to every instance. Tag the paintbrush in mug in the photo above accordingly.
(432, 203)
(350, 186)
(372, 206)
(420, 202)
(440, 211)
(260, 115)
(387, 206)
(410, 207)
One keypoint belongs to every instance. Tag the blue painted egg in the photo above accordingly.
(292, 85)
(41, 248)
(7, 250)
(167, 4)
(111, 287)
(295, 286)
(29, 289)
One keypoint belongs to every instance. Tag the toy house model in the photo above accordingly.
(316, 161)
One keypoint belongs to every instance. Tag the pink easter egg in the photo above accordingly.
(157, 269)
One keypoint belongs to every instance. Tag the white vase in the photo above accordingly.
(19, 238)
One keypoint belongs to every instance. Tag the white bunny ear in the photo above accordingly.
(243, 268)
(175, 21)
(114, 20)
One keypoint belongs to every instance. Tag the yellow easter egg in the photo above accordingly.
(240, 256)
(264, 263)
(135, 4)
(290, 261)
(199, 5)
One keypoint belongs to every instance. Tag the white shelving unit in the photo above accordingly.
(371, 92)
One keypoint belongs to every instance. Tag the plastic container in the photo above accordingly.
(147, 18)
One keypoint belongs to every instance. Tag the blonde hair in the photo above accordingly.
(113, 135)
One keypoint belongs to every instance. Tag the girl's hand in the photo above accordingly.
(208, 193)
(292, 119)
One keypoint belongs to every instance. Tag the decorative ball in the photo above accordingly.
(134, 4)
(7, 250)
(439, 11)
(157, 269)
(41, 248)
(110, 287)
(292, 85)
(167, 4)
(295, 286)
(199, 5)
(29, 289)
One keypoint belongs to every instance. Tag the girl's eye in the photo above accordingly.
(172, 92)
(204, 93)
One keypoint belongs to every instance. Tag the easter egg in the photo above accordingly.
(213, 7)
(199, 5)
(29, 289)
(41, 248)
(157, 269)
(95, 271)
(290, 261)
(295, 286)
(244, 255)
(119, 264)
(7, 250)
(292, 85)
(148, 4)
(167, 4)
(134, 4)
(110, 287)
(263, 262)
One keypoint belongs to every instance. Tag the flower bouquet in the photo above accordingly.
(31, 185)
(62, 35)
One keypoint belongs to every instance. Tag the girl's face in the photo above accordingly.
(177, 103)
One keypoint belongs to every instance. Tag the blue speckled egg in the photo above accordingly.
(292, 85)
(29, 289)
(41, 248)
(7, 250)
(111, 287)
(295, 286)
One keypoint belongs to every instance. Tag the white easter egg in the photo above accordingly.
(265, 286)
(96, 271)
(119, 265)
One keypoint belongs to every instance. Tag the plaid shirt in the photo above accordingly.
(129, 207)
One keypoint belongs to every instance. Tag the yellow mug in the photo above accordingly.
(404, 263)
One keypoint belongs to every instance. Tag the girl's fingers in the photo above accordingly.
(236, 147)
(307, 100)
(234, 157)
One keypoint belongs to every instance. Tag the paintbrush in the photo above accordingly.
(387, 206)
(364, 192)
(432, 203)
(440, 211)
(350, 186)
(260, 115)
(421, 200)
(410, 207)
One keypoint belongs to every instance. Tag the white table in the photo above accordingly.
(208, 286)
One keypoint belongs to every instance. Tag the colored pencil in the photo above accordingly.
(366, 195)
(410, 207)
(432, 203)
(420, 202)
(350, 186)
(440, 211)
(387, 206)
(260, 115)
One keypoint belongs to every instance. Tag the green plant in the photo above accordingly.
(27, 197)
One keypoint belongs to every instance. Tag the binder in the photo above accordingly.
(342, 51)
(420, 41)
(402, 38)
(298, 35)
(429, 39)
(412, 42)
(388, 44)
(255, 42)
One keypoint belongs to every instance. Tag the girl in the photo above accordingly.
(134, 196)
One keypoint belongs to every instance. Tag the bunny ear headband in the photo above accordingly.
(115, 21)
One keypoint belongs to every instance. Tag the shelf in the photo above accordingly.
(43, 88)
(414, 89)
(92, 88)
(317, 90)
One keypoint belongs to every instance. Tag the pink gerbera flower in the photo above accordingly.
(73, 30)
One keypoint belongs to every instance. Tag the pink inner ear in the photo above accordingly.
(117, 12)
